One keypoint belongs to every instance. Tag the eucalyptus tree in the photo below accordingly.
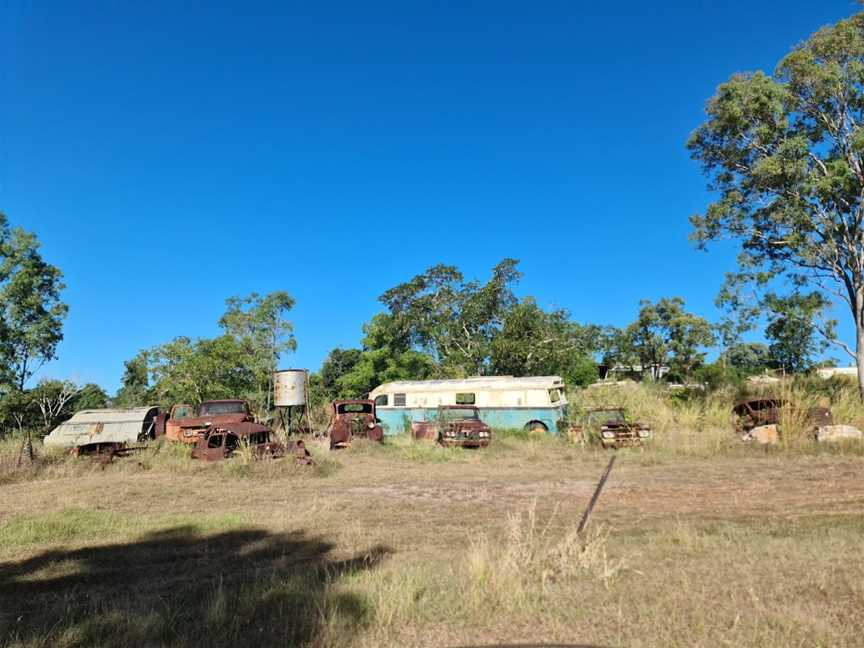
(31, 311)
(784, 154)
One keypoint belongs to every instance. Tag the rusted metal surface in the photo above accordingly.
(756, 412)
(350, 419)
(609, 426)
(424, 430)
(184, 424)
(820, 416)
(298, 450)
(765, 412)
(221, 442)
(455, 426)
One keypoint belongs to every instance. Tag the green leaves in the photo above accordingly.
(784, 155)
(794, 324)
(452, 320)
(31, 312)
(534, 342)
(237, 364)
(667, 335)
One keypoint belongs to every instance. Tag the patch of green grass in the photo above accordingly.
(75, 525)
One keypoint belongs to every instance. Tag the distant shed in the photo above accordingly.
(104, 426)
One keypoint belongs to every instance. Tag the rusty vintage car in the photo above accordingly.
(182, 423)
(217, 443)
(609, 427)
(351, 419)
(755, 413)
(455, 425)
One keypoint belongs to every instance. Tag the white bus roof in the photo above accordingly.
(482, 383)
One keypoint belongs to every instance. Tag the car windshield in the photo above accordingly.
(460, 413)
(609, 416)
(354, 408)
(211, 409)
(183, 411)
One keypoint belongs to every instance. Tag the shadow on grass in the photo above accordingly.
(180, 588)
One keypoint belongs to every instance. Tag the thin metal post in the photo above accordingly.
(584, 522)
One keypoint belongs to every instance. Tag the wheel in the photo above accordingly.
(536, 427)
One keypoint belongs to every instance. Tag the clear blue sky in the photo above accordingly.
(170, 157)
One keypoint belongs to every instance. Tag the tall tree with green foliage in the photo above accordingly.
(259, 324)
(192, 371)
(451, 319)
(135, 388)
(793, 329)
(534, 342)
(785, 155)
(31, 312)
(748, 357)
(666, 334)
(386, 356)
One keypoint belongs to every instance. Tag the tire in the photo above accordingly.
(536, 427)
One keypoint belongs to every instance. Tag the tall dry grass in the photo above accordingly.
(692, 425)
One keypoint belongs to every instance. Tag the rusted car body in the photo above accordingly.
(609, 426)
(455, 425)
(183, 424)
(351, 419)
(217, 443)
(756, 412)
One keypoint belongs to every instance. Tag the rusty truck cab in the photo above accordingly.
(353, 418)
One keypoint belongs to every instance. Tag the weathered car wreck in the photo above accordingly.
(183, 424)
(759, 420)
(100, 431)
(220, 428)
(609, 427)
(352, 419)
(455, 425)
(218, 442)
(756, 412)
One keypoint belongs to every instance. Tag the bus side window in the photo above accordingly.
(399, 400)
(554, 396)
(381, 401)
(465, 399)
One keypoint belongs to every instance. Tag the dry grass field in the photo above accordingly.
(411, 545)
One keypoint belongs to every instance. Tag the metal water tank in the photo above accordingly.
(289, 387)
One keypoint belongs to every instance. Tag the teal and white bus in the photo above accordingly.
(536, 403)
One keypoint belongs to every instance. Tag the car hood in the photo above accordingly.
(216, 420)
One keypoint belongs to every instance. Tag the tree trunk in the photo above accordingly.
(859, 354)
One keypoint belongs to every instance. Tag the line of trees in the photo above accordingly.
(438, 325)
(784, 156)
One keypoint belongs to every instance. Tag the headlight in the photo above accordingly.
(644, 434)
(608, 434)
(371, 426)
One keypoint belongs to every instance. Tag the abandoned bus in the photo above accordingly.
(537, 403)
